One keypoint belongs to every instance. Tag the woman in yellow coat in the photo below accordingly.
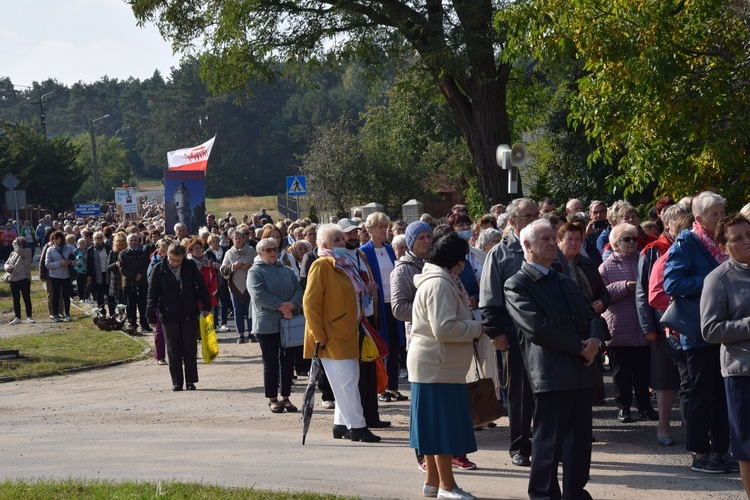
(333, 303)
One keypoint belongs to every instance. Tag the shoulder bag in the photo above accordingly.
(683, 315)
(292, 331)
(485, 407)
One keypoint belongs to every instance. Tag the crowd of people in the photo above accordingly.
(556, 296)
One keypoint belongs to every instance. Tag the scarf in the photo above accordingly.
(204, 262)
(577, 275)
(343, 263)
(709, 242)
(460, 287)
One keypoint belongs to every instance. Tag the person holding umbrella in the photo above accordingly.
(333, 302)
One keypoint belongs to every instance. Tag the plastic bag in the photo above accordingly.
(369, 350)
(209, 343)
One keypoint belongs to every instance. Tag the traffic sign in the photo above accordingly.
(11, 182)
(87, 209)
(296, 185)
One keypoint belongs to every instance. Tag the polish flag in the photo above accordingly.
(190, 158)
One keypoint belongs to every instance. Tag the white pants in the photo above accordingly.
(343, 374)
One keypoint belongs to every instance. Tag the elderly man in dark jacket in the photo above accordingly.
(555, 331)
(133, 264)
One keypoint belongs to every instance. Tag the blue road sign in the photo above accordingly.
(87, 209)
(296, 185)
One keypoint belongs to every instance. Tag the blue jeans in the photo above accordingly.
(241, 314)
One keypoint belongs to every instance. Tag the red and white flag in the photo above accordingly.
(190, 158)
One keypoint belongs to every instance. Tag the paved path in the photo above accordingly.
(126, 423)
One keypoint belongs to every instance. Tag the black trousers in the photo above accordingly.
(17, 290)
(182, 346)
(136, 298)
(707, 417)
(562, 432)
(520, 405)
(278, 365)
(631, 372)
(368, 392)
(392, 363)
(100, 292)
(61, 287)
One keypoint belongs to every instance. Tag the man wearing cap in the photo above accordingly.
(368, 387)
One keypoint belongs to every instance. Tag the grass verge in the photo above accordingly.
(167, 490)
(50, 348)
(240, 205)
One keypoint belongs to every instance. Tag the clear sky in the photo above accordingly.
(78, 40)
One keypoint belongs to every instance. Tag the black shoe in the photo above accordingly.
(176, 387)
(386, 397)
(340, 432)
(521, 460)
(380, 424)
(241, 340)
(624, 416)
(729, 461)
(147, 328)
(649, 414)
(253, 339)
(363, 434)
(190, 387)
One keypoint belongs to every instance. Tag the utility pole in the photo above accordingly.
(42, 116)
(97, 179)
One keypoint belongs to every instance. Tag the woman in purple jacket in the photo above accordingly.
(629, 351)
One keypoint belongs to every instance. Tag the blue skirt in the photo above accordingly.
(441, 421)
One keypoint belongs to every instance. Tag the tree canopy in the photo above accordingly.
(455, 43)
(663, 95)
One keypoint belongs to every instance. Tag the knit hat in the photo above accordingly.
(413, 231)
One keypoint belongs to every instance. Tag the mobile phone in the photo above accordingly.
(601, 224)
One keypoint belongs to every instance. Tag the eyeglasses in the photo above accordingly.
(533, 216)
(629, 239)
(271, 250)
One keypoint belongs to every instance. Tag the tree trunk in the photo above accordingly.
(480, 110)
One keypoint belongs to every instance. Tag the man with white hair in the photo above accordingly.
(180, 231)
(573, 206)
(559, 351)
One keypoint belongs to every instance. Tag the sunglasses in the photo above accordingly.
(629, 239)
(271, 250)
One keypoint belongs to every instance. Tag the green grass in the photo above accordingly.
(240, 205)
(72, 345)
(167, 490)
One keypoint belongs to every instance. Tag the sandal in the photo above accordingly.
(276, 406)
(288, 406)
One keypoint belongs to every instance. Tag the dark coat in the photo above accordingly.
(176, 301)
(550, 330)
(133, 263)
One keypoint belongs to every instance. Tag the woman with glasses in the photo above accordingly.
(629, 350)
(276, 294)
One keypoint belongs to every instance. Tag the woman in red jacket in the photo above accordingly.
(195, 253)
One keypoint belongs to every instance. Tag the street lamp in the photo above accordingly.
(97, 180)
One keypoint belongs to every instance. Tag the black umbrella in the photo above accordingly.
(308, 400)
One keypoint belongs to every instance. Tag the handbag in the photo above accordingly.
(485, 407)
(209, 343)
(683, 315)
(292, 331)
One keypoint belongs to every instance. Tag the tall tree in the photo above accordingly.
(456, 44)
(664, 96)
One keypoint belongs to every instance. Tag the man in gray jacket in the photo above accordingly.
(559, 342)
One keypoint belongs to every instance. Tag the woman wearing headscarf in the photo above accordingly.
(694, 254)
(176, 289)
(276, 293)
(439, 356)
(334, 299)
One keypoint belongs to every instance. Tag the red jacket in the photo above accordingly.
(212, 282)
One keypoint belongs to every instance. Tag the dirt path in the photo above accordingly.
(126, 423)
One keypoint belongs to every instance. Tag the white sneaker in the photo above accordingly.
(329, 405)
(15, 321)
(224, 328)
(429, 491)
(30, 320)
(456, 494)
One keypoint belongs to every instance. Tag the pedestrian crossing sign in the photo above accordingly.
(296, 185)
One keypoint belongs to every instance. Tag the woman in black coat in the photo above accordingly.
(176, 287)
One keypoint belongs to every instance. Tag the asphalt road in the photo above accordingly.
(126, 423)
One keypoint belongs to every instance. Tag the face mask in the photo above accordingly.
(339, 252)
(466, 234)
(352, 246)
